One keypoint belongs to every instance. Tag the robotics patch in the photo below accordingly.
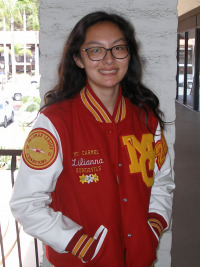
(40, 149)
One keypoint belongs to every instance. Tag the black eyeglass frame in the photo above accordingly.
(106, 49)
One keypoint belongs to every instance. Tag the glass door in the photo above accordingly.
(190, 68)
(181, 66)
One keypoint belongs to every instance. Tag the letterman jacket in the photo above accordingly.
(82, 168)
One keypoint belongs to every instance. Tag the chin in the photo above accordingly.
(110, 84)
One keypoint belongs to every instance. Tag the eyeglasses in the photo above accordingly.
(99, 53)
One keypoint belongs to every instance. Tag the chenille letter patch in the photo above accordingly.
(40, 149)
(142, 156)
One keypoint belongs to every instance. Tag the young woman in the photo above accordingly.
(95, 180)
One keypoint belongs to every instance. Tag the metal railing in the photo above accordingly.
(14, 154)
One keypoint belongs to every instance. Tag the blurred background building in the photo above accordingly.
(188, 60)
(19, 38)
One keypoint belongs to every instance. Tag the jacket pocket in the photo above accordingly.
(155, 238)
(101, 245)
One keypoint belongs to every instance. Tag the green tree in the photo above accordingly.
(8, 11)
(16, 11)
(19, 50)
(27, 7)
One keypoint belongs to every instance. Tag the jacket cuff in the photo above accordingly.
(74, 240)
(82, 246)
(158, 223)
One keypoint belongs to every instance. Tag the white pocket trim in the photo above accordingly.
(153, 231)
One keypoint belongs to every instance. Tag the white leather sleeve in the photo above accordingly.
(32, 195)
(161, 193)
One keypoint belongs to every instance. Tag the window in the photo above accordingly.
(190, 68)
(181, 66)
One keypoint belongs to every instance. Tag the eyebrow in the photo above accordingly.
(99, 43)
(118, 40)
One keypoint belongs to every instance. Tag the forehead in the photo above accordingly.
(104, 31)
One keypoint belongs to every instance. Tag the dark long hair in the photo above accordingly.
(71, 78)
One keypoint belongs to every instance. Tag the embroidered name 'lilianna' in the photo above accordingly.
(84, 162)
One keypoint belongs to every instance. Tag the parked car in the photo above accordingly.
(6, 113)
(17, 92)
(31, 88)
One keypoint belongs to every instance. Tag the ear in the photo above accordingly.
(78, 61)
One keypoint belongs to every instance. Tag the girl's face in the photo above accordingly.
(108, 72)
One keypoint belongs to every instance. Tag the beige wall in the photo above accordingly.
(186, 5)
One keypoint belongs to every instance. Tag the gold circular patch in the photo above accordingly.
(40, 149)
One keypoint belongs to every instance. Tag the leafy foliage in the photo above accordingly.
(31, 103)
(19, 50)
(15, 11)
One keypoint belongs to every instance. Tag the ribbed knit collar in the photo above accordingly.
(98, 110)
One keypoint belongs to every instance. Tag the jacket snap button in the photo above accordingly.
(129, 235)
(110, 131)
(125, 199)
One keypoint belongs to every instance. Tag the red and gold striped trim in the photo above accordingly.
(99, 111)
(85, 248)
(86, 103)
(118, 114)
(123, 114)
(82, 245)
(121, 111)
(79, 244)
(156, 224)
(99, 108)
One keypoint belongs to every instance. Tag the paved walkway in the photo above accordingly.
(186, 208)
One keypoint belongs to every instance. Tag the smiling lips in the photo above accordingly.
(107, 71)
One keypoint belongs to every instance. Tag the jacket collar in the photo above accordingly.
(96, 107)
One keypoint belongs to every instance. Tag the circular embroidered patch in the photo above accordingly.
(40, 149)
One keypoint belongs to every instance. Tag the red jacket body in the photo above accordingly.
(115, 173)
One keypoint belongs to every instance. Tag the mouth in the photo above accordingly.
(107, 71)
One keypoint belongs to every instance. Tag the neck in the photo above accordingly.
(108, 97)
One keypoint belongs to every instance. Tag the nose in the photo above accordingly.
(108, 59)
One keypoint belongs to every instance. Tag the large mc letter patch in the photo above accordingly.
(146, 154)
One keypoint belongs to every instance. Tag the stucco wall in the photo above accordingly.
(156, 31)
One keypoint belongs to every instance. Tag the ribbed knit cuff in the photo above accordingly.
(82, 246)
(158, 223)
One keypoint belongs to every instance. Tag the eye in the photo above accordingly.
(95, 50)
(119, 47)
